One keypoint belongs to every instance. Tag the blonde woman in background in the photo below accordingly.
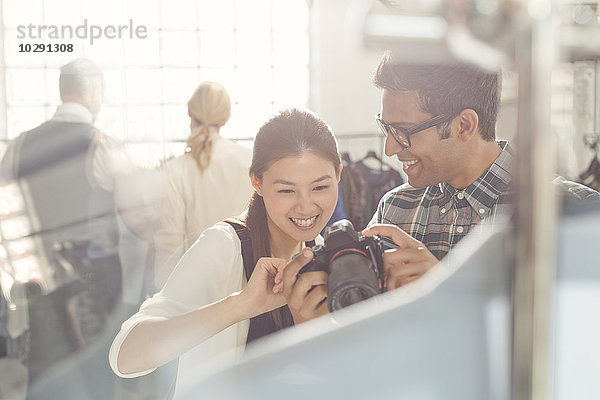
(207, 184)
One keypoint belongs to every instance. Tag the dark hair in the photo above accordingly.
(445, 89)
(289, 133)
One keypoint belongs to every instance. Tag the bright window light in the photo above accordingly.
(258, 50)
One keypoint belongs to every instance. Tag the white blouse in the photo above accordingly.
(192, 201)
(209, 271)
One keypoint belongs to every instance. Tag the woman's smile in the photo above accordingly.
(304, 224)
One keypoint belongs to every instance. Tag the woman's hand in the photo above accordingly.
(156, 341)
(306, 295)
(264, 290)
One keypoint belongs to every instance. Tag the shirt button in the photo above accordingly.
(443, 210)
(460, 195)
(481, 211)
(460, 229)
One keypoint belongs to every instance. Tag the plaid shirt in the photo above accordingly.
(440, 216)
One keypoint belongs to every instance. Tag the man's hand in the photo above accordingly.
(407, 263)
(307, 295)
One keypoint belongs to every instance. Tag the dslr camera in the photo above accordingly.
(353, 262)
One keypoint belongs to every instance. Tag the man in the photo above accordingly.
(65, 173)
(439, 121)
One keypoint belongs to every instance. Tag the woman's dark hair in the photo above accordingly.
(445, 89)
(289, 133)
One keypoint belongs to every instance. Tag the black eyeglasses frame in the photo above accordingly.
(397, 131)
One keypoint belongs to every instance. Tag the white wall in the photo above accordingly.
(341, 88)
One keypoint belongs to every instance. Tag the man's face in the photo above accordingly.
(429, 160)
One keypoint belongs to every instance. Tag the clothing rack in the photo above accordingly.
(362, 187)
(349, 135)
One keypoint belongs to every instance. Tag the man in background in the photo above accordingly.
(65, 171)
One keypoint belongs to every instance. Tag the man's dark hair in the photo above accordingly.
(445, 89)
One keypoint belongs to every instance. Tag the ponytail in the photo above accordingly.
(200, 145)
(256, 222)
(209, 106)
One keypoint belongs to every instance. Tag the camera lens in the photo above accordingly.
(352, 278)
(353, 295)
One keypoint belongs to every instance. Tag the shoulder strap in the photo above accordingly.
(246, 242)
(263, 324)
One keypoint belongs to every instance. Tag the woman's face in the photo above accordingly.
(300, 194)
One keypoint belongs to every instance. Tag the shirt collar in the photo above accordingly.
(73, 112)
(484, 192)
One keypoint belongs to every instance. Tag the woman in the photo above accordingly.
(204, 308)
(205, 185)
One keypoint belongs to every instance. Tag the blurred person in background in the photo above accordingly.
(66, 171)
(207, 184)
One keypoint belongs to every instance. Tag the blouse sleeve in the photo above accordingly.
(209, 271)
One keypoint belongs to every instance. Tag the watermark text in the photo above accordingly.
(83, 31)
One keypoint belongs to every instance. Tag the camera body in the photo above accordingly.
(353, 262)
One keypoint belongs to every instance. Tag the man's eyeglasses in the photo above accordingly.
(402, 135)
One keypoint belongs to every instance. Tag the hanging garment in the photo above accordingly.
(364, 186)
